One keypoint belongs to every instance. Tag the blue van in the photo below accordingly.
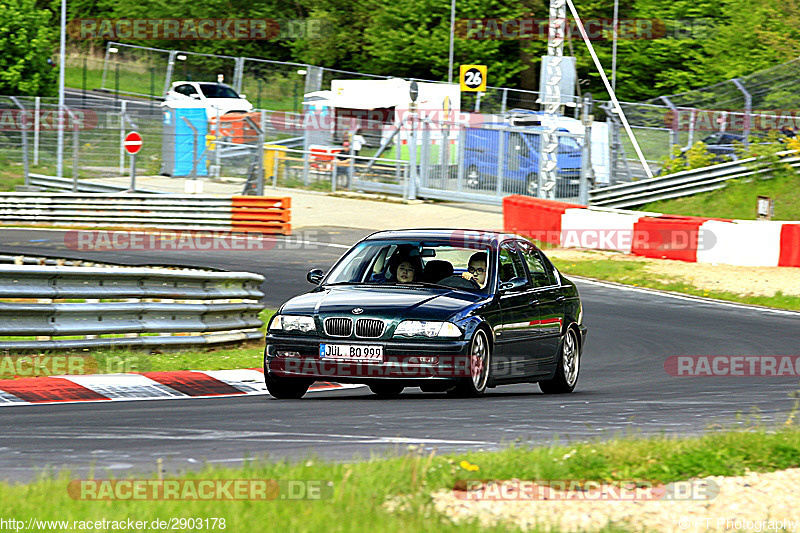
(520, 160)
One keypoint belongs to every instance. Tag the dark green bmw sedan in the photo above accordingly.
(444, 310)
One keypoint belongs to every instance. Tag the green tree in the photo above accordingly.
(27, 39)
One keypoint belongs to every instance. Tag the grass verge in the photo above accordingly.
(355, 492)
(634, 273)
(738, 199)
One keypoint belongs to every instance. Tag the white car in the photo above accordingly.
(216, 98)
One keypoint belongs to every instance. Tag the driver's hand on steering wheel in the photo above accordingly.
(469, 276)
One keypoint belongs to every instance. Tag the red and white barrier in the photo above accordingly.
(656, 235)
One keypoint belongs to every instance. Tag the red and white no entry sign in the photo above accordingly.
(132, 143)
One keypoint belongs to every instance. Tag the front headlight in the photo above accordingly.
(420, 328)
(292, 323)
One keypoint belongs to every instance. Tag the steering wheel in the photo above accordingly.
(457, 282)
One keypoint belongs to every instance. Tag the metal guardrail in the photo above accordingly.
(680, 184)
(67, 184)
(125, 307)
(174, 211)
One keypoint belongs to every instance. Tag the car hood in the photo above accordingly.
(383, 302)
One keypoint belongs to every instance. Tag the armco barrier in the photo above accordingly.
(693, 239)
(153, 307)
(237, 213)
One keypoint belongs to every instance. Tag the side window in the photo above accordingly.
(185, 89)
(510, 264)
(540, 271)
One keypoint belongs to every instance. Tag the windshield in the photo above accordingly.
(414, 263)
(213, 90)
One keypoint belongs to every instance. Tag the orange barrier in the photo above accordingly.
(534, 217)
(261, 213)
(790, 246)
(235, 126)
(667, 237)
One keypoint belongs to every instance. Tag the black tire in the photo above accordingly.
(473, 178)
(569, 362)
(532, 184)
(480, 362)
(386, 390)
(286, 388)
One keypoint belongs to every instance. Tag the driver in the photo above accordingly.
(476, 268)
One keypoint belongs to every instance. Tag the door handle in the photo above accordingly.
(560, 299)
(533, 303)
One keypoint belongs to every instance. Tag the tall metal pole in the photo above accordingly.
(452, 35)
(62, 61)
(548, 160)
(614, 46)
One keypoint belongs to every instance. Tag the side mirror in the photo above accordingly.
(196, 96)
(242, 96)
(315, 276)
(514, 283)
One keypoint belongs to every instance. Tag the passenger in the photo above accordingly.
(476, 268)
(405, 269)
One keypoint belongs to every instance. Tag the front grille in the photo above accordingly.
(369, 328)
(338, 327)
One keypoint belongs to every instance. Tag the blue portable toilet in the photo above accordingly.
(178, 139)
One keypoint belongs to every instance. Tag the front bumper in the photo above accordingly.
(411, 360)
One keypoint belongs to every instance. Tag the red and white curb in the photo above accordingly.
(184, 384)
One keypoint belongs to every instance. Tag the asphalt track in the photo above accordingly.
(623, 388)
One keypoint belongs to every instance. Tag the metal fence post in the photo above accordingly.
(501, 159)
(238, 74)
(748, 109)
(105, 64)
(425, 153)
(122, 138)
(36, 128)
(675, 123)
(503, 101)
(460, 169)
(261, 140)
(170, 69)
(306, 145)
(75, 152)
(586, 154)
(24, 122)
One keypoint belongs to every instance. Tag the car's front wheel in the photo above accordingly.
(480, 359)
(286, 388)
(568, 367)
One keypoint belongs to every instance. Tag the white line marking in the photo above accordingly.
(686, 297)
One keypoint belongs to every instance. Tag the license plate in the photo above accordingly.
(351, 352)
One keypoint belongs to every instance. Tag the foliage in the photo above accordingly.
(27, 40)
(697, 156)
(671, 47)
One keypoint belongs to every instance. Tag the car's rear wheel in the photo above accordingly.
(386, 390)
(568, 367)
(480, 359)
(286, 388)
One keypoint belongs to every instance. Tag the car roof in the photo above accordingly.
(477, 235)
